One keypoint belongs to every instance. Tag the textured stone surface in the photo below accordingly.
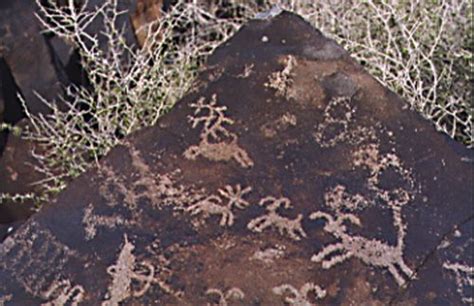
(288, 175)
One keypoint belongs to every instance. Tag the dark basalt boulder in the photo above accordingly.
(288, 175)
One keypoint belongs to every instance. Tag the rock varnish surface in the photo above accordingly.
(288, 176)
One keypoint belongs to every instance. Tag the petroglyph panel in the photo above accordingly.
(289, 176)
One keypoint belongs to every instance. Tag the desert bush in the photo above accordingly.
(420, 49)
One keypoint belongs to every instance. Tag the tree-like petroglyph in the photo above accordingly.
(233, 293)
(371, 251)
(464, 275)
(213, 204)
(63, 292)
(92, 221)
(291, 227)
(295, 297)
(217, 143)
(124, 272)
(35, 249)
(337, 125)
(281, 81)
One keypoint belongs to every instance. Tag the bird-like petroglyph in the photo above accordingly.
(295, 297)
(217, 142)
(291, 227)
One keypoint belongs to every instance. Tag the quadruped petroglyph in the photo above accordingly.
(217, 142)
(284, 178)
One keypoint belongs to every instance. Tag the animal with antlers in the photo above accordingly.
(370, 251)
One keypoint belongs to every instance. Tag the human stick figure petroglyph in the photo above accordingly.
(272, 219)
(216, 142)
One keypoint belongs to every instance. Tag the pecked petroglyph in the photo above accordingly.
(371, 251)
(62, 292)
(92, 221)
(281, 81)
(248, 70)
(337, 126)
(124, 272)
(5, 298)
(295, 297)
(217, 143)
(233, 293)
(464, 280)
(212, 205)
(36, 249)
(268, 256)
(273, 128)
(292, 228)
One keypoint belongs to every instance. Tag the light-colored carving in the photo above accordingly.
(212, 205)
(272, 219)
(371, 251)
(464, 280)
(36, 249)
(268, 256)
(336, 127)
(248, 70)
(92, 221)
(216, 142)
(123, 272)
(231, 294)
(295, 297)
(62, 292)
(273, 128)
(282, 81)
(5, 298)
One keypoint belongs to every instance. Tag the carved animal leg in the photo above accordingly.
(326, 251)
(227, 219)
(398, 278)
(336, 259)
(406, 269)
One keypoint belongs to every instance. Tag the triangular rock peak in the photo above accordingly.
(288, 176)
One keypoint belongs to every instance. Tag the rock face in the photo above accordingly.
(288, 175)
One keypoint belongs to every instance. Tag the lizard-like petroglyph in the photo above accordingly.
(62, 292)
(123, 273)
(216, 142)
(231, 294)
(464, 280)
(272, 219)
(299, 297)
(212, 205)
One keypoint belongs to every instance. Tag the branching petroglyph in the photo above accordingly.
(282, 81)
(217, 143)
(92, 221)
(124, 272)
(295, 297)
(272, 219)
(62, 292)
(370, 251)
(336, 127)
(213, 205)
(464, 280)
(231, 294)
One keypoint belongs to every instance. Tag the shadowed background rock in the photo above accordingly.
(287, 175)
